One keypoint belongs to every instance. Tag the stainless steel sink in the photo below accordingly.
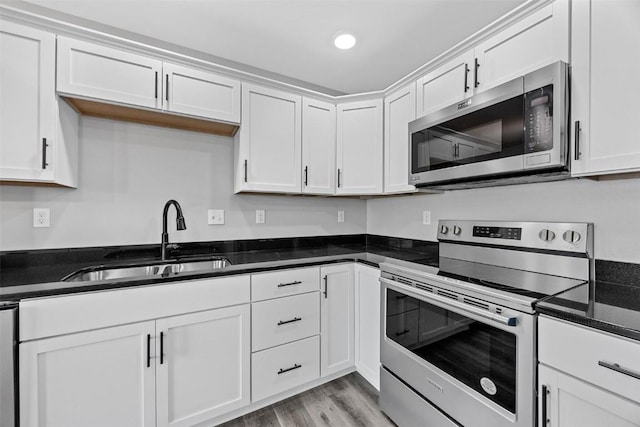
(162, 270)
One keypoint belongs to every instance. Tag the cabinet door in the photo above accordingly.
(203, 370)
(101, 378)
(107, 74)
(200, 93)
(604, 87)
(532, 43)
(269, 141)
(336, 319)
(367, 323)
(399, 110)
(359, 148)
(27, 104)
(570, 402)
(446, 85)
(318, 147)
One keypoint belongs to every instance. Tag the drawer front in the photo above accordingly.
(284, 283)
(283, 320)
(281, 368)
(582, 352)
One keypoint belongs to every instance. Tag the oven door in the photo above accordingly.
(477, 367)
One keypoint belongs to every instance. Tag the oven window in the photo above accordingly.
(490, 133)
(479, 355)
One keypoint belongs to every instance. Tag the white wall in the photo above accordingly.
(128, 172)
(613, 206)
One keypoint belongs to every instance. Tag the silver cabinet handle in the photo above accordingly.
(616, 367)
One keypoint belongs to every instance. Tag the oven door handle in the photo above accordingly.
(455, 305)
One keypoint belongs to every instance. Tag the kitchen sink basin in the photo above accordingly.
(162, 270)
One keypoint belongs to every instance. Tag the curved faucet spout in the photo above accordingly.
(180, 224)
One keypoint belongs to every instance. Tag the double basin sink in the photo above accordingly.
(156, 269)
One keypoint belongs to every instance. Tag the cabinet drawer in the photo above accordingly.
(284, 283)
(283, 320)
(581, 352)
(284, 367)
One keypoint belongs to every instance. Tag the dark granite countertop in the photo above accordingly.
(37, 274)
(611, 305)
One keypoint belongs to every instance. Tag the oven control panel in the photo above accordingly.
(513, 233)
(555, 236)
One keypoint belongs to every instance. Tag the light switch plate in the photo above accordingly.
(215, 216)
(41, 217)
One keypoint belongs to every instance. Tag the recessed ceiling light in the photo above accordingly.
(345, 41)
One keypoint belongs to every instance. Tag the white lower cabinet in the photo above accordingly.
(367, 323)
(101, 378)
(337, 320)
(202, 362)
(586, 377)
(285, 367)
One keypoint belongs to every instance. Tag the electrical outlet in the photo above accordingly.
(340, 216)
(215, 216)
(426, 217)
(41, 217)
(260, 216)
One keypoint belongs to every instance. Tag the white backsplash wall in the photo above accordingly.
(612, 205)
(128, 172)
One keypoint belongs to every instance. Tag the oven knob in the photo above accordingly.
(547, 235)
(456, 230)
(444, 229)
(571, 236)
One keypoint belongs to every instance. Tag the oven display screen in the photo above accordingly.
(479, 355)
(511, 233)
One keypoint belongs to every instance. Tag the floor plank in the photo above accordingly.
(349, 401)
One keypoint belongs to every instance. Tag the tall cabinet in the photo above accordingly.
(604, 62)
(38, 132)
(399, 110)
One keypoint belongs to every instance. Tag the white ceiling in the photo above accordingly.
(294, 38)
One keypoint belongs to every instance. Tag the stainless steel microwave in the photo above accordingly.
(517, 129)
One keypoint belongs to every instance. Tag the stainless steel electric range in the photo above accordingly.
(458, 342)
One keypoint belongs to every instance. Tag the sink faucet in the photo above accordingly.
(180, 225)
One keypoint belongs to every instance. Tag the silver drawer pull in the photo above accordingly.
(284, 322)
(282, 285)
(618, 368)
(296, 366)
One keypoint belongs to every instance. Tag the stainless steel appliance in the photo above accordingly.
(518, 128)
(8, 367)
(458, 342)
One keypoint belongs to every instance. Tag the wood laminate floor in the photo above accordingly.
(347, 401)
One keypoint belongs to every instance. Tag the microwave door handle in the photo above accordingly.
(458, 306)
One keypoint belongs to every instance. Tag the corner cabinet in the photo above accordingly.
(586, 377)
(604, 108)
(38, 132)
(268, 145)
(536, 40)
(337, 324)
(399, 110)
(359, 148)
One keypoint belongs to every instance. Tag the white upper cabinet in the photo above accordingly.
(605, 42)
(537, 40)
(105, 74)
(359, 148)
(38, 135)
(200, 93)
(399, 110)
(445, 85)
(318, 147)
(269, 142)
(531, 43)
